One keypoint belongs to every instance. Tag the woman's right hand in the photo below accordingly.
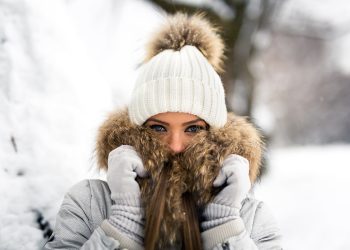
(127, 212)
(124, 164)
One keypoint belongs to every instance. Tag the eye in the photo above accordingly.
(194, 129)
(158, 128)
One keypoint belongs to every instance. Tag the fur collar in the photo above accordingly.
(193, 170)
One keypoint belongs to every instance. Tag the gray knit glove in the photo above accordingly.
(127, 214)
(227, 203)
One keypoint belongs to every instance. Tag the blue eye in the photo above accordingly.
(194, 129)
(158, 128)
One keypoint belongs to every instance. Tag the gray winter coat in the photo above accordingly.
(81, 221)
(80, 224)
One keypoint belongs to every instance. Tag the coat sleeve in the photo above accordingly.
(265, 234)
(74, 229)
(71, 232)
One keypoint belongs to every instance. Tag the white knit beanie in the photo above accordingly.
(179, 80)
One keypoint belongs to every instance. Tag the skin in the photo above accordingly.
(176, 129)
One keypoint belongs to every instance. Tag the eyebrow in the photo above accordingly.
(156, 120)
(184, 124)
(190, 122)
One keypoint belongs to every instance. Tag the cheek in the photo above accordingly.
(163, 138)
(187, 139)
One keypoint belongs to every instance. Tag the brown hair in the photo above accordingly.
(190, 226)
(190, 232)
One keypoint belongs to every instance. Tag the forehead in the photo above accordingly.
(176, 117)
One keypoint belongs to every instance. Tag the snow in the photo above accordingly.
(307, 190)
(64, 65)
(63, 68)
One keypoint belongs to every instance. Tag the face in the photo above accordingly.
(176, 129)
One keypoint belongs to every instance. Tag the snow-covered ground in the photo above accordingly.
(63, 66)
(307, 188)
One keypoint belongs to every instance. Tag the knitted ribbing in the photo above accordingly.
(213, 237)
(128, 218)
(124, 241)
(179, 81)
(216, 214)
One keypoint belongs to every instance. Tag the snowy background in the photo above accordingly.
(64, 65)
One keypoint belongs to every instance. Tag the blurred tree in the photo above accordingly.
(300, 81)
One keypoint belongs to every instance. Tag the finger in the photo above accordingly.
(123, 149)
(220, 179)
(232, 166)
(141, 171)
(235, 159)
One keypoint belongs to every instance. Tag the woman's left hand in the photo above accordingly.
(234, 174)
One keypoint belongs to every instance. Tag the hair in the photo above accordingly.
(155, 212)
(190, 233)
(190, 226)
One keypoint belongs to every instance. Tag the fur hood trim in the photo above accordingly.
(238, 136)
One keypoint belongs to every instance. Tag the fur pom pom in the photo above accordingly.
(180, 30)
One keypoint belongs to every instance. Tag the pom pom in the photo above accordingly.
(180, 30)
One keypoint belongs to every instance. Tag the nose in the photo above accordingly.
(176, 142)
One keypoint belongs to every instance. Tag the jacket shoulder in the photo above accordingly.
(84, 207)
(260, 222)
(91, 196)
(84, 190)
(265, 225)
(89, 186)
(253, 212)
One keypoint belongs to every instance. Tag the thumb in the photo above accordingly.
(229, 167)
(220, 179)
(141, 171)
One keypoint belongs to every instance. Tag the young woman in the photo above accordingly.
(179, 167)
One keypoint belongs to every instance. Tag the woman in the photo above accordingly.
(179, 167)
